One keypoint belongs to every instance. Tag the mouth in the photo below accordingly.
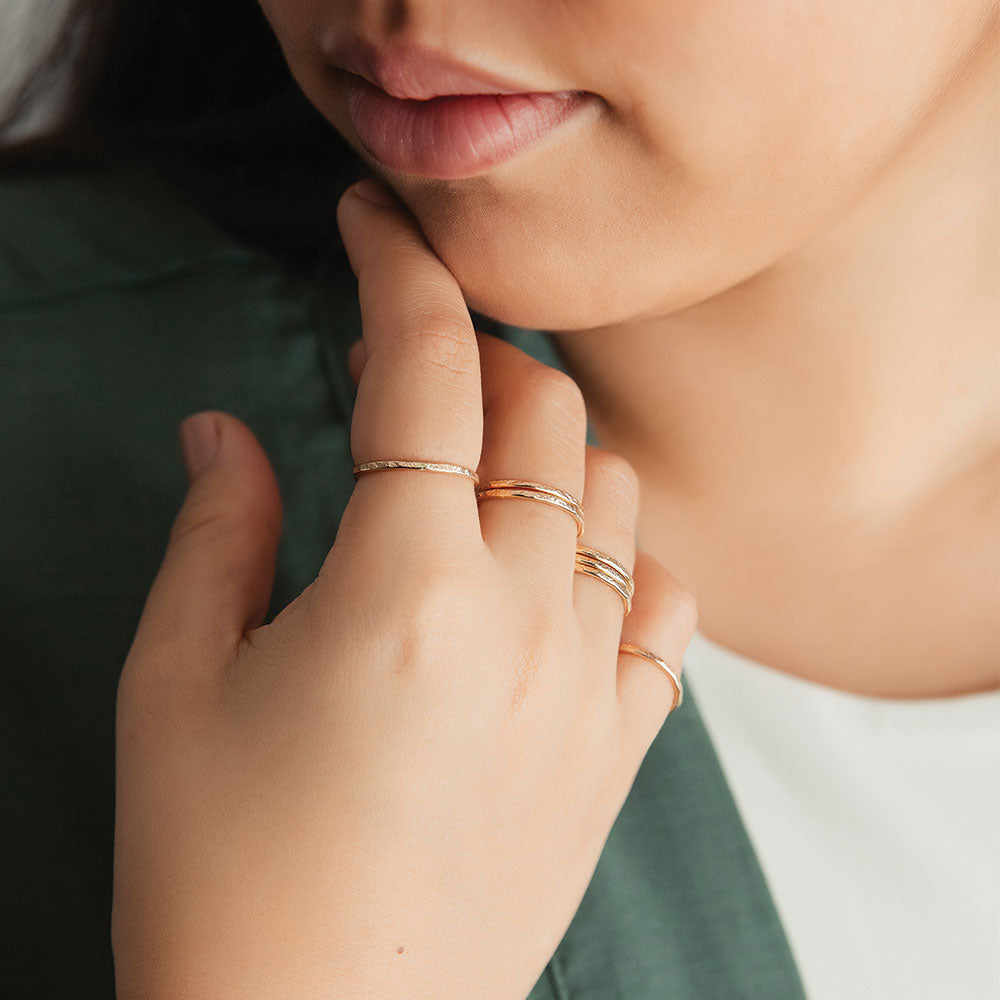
(418, 110)
(455, 135)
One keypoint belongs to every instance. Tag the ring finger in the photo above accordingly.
(611, 498)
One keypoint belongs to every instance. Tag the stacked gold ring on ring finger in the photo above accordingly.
(534, 491)
(606, 568)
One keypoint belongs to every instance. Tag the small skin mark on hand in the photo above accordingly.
(523, 678)
(399, 950)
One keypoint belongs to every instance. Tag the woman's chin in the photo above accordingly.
(520, 312)
(560, 297)
(532, 290)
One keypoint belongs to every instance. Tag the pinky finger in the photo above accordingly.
(663, 621)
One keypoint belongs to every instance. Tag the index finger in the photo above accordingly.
(420, 395)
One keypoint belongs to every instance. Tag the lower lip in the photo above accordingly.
(455, 136)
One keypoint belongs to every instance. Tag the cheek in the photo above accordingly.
(570, 238)
(730, 143)
(623, 220)
(732, 133)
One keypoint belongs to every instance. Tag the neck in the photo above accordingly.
(836, 391)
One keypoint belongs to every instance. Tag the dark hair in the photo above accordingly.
(198, 91)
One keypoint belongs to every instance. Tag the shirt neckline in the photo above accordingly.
(749, 679)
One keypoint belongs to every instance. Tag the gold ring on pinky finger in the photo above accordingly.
(603, 567)
(627, 647)
(459, 470)
(534, 491)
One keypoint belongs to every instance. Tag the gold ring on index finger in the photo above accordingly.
(394, 463)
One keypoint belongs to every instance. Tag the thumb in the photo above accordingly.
(218, 570)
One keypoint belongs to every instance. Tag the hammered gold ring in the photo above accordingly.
(459, 470)
(627, 647)
(534, 491)
(603, 567)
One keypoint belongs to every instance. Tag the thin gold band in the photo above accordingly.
(534, 491)
(585, 550)
(459, 470)
(603, 567)
(521, 484)
(588, 561)
(627, 647)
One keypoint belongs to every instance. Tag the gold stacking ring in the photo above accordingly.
(627, 647)
(601, 566)
(459, 470)
(534, 491)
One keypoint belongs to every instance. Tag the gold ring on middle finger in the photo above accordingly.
(534, 491)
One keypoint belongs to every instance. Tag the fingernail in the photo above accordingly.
(199, 435)
(374, 191)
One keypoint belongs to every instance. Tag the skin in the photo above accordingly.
(321, 806)
(777, 311)
(769, 259)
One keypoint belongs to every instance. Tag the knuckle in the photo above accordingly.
(424, 618)
(203, 519)
(441, 339)
(559, 398)
(615, 476)
(682, 607)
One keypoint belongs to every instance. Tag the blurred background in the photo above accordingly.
(36, 59)
(198, 92)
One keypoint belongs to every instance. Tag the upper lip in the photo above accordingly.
(412, 72)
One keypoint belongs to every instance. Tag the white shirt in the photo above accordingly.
(876, 822)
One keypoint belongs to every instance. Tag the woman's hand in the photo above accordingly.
(401, 786)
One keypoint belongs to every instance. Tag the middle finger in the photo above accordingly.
(535, 429)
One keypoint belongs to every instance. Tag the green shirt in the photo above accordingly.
(121, 312)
